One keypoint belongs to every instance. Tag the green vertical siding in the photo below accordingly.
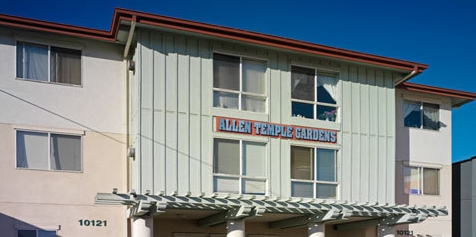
(171, 108)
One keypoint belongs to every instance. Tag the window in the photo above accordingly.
(48, 63)
(239, 83)
(421, 180)
(313, 94)
(36, 233)
(313, 172)
(421, 115)
(48, 151)
(239, 167)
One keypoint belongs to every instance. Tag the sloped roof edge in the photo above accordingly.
(209, 30)
(265, 40)
(460, 97)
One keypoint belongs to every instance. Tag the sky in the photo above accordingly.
(439, 33)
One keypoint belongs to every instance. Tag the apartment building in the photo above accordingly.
(63, 129)
(423, 155)
(204, 130)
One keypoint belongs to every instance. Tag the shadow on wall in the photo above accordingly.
(12, 227)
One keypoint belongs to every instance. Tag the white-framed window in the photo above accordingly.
(421, 115)
(36, 233)
(313, 172)
(313, 94)
(47, 63)
(239, 166)
(421, 180)
(48, 151)
(239, 83)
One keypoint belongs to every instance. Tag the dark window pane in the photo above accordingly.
(412, 114)
(65, 66)
(431, 116)
(226, 72)
(26, 233)
(326, 113)
(324, 96)
(302, 83)
(302, 110)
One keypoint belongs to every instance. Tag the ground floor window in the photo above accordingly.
(421, 180)
(36, 233)
(313, 172)
(48, 151)
(239, 167)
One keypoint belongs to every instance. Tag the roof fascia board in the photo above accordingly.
(463, 96)
(44, 26)
(269, 40)
(438, 91)
(121, 15)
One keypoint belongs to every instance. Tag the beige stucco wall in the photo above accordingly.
(54, 198)
(96, 110)
(427, 148)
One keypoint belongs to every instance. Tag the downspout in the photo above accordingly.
(407, 77)
(128, 96)
(131, 34)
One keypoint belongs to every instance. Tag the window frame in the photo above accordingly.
(420, 179)
(240, 176)
(331, 116)
(240, 92)
(49, 47)
(314, 171)
(48, 135)
(422, 107)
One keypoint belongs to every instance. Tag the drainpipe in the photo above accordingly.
(131, 34)
(410, 75)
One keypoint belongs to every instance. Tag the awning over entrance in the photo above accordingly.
(298, 211)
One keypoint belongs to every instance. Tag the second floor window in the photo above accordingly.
(48, 63)
(48, 151)
(313, 172)
(313, 94)
(421, 180)
(239, 167)
(421, 115)
(239, 83)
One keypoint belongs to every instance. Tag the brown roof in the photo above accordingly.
(124, 15)
(458, 97)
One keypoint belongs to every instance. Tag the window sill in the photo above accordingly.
(53, 171)
(315, 123)
(47, 82)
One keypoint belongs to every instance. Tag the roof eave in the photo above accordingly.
(57, 28)
(459, 98)
(266, 40)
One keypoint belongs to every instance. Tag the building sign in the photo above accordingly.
(257, 128)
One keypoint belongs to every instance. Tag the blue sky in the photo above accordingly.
(439, 33)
